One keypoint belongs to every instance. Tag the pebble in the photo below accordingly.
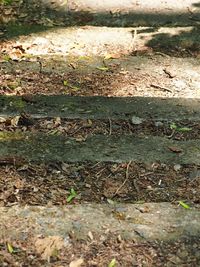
(136, 120)
(177, 167)
(158, 123)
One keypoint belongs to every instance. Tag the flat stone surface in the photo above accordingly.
(46, 148)
(150, 221)
(41, 106)
(118, 13)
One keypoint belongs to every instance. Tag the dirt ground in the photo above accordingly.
(102, 252)
(97, 182)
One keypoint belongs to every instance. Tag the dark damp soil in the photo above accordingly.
(100, 252)
(101, 183)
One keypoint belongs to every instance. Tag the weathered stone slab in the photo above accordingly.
(118, 13)
(150, 221)
(46, 148)
(41, 106)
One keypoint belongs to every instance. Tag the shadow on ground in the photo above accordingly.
(39, 16)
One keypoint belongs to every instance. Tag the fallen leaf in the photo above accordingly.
(173, 126)
(10, 248)
(76, 263)
(103, 68)
(184, 129)
(111, 56)
(57, 121)
(184, 205)
(14, 121)
(90, 235)
(29, 98)
(65, 83)
(175, 149)
(112, 263)
(89, 122)
(2, 119)
(48, 246)
(6, 58)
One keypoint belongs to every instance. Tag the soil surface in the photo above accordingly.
(102, 252)
(97, 182)
(81, 48)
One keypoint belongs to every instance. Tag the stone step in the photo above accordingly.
(100, 41)
(118, 13)
(146, 108)
(40, 147)
(149, 221)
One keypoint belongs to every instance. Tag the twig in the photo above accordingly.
(172, 134)
(99, 172)
(110, 126)
(160, 87)
(96, 164)
(126, 178)
(170, 75)
(40, 65)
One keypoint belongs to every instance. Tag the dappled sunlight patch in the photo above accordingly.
(78, 41)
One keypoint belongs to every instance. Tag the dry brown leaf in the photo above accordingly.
(57, 121)
(90, 235)
(76, 263)
(2, 119)
(29, 98)
(48, 246)
(175, 149)
(14, 121)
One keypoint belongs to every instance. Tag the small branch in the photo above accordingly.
(160, 87)
(110, 126)
(126, 179)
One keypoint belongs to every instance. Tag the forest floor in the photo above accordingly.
(110, 212)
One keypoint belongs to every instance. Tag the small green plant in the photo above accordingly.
(6, 2)
(174, 127)
(112, 263)
(72, 195)
(103, 68)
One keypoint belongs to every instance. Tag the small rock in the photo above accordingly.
(136, 120)
(119, 239)
(90, 235)
(158, 123)
(76, 263)
(177, 167)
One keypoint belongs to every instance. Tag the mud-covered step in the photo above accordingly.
(149, 221)
(41, 106)
(48, 147)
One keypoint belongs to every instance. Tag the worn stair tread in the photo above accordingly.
(149, 221)
(46, 148)
(99, 107)
(130, 12)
